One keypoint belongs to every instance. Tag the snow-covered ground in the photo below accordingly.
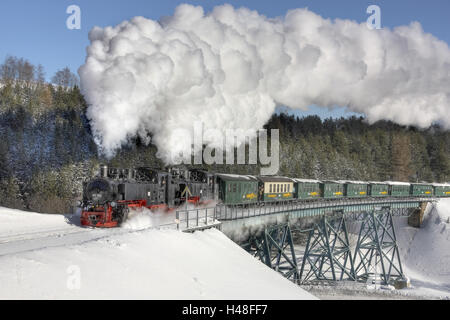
(425, 252)
(52, 257)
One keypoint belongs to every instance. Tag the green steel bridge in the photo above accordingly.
(328, 254)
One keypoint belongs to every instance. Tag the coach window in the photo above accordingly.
(270, 188)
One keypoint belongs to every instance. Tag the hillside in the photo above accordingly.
(47, 148)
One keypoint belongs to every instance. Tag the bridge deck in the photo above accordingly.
(192, 219)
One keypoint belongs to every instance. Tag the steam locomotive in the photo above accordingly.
(108, 197)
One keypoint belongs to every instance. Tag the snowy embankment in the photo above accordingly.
(425, 252)
(50, 257)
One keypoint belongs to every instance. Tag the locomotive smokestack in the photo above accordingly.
(131, 174)
(104, 171)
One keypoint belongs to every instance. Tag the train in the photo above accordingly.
(109, 197)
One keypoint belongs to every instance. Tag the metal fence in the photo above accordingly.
(194, 219)
(197, 218)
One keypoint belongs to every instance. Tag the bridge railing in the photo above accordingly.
(234, 212)
(196, 218)
(204, 217)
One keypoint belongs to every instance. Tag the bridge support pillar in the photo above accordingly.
(328, 255)
(275, 248)
(377, 255)
(416, 218)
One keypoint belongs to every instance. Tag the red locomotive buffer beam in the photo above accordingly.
(98, 217)
(194, 200)
(102, 217)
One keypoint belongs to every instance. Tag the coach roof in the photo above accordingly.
(236, 177)
(274, 179)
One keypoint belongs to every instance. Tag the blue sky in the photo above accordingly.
(36, 30)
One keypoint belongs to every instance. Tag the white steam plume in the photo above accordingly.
(230, 69)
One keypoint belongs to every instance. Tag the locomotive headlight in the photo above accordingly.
(113, 204)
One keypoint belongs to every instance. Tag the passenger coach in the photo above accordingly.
(275, 188)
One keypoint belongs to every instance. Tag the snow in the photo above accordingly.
(425, 252)
(397, 183)
(51, 257)
(351, 182)
(441, 184)
(40, 255)
(306, 180)
(237, 176)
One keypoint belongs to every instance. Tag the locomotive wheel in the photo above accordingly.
(123, 215)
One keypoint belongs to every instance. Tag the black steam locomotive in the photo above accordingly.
(108, 197)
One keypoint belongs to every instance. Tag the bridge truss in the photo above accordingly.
(328, 254)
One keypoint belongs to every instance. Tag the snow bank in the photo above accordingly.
(129, 264)
(14, 222)
(443, 209)
(426, 251)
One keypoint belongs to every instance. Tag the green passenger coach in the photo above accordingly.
(355, 189)
(378, 189)
(399, 189)
(307, 189)
(237, 189)
(332, 189)
(421, 189)
(441, 190)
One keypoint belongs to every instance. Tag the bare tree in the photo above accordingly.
(25, 70)
(65, 78)
(17, 69)
(40, 74)
(8, 69)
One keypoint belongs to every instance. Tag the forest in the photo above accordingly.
(47, 149)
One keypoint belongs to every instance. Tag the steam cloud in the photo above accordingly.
(230, 69)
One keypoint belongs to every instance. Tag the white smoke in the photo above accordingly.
(230, 69)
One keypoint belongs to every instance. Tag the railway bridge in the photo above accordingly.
(320, 240)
